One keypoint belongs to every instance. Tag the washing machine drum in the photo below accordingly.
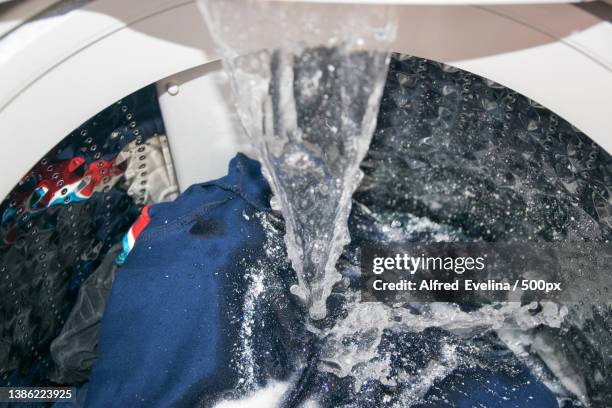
(453, 155)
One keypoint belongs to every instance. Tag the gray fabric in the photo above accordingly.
(149, 174)
(74, 350)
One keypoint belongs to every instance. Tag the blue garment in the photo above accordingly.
(169, 330)
(486, 388)
(496, 380)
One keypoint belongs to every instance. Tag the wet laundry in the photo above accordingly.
(199, 268)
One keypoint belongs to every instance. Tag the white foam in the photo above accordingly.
(269, 397)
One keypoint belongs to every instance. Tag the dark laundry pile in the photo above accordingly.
(469, 152)
(58, 225)
(495, 166)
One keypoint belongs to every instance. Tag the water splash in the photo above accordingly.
(307, 92)
(393, 356)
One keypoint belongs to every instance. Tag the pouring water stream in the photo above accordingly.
(307, 80)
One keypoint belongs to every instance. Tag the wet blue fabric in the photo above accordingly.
(499, 380)
(484, 388)
(173, 317)
(496, 380)
(167, 331)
